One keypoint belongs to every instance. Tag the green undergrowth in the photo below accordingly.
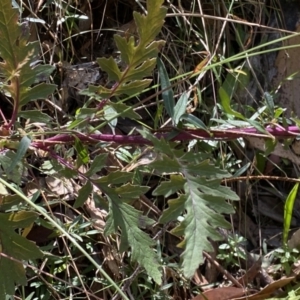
(190, 198)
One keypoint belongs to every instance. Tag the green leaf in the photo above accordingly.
(181, 164)
(102, 91)
(133, 87)
(13, 40)
(246, 166)
(37, 74)
(167, 92)
(139, 58)
(40, 91)
(161, 145)
(201, 220)
(128, 89)
(213, 188)
(180, 107)
(166, 166)
(131, 192)
(115, 178)
(43, 72)
(278, 112)
(258, 126)
(14, 273)
(149, 26)
(110, 66)
(17, 55)
(20, 219)
(97, 164)
(167, 188)
(194, 121)
(225, 101)
(127, 218)
(83, 194)
(6, 170)
(175, 209)
(233, 81)
(21, 151)
(111, 116)
(270, 145)
(82, 152)
(270, 103)
(197, 196)
(126, 47)
(15, 246)
(125, 111)
(145, 69)
(288, 212)
(35, 116)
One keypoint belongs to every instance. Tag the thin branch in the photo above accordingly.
(260, 177)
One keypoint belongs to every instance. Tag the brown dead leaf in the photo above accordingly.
(4, 131)
(3, 192)
(203, 63)
(199, 279)
(97, 215)
(112, 261)
(59, 187)
(268, 290)
(233, 293)
(296, 268)
(251, 273)
(224, 293)
(32, 187)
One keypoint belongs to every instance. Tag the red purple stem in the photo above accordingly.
(182, 135)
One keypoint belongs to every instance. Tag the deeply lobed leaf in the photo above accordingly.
(18, 55)
(139, 57)
(17, 247)
(128, 219)
(200, 200)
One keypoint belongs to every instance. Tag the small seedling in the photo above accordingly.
(232, 251)
(287, 257)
